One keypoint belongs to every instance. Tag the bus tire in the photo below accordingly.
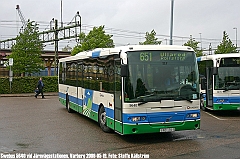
(102, 120)
(68, 105)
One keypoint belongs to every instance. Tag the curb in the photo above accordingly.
(28, 94)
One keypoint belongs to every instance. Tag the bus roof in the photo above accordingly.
(217, 56)
(108, 51)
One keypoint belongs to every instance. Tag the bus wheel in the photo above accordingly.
(102, 120)
(68, 105)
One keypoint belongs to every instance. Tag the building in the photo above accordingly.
(47, 56)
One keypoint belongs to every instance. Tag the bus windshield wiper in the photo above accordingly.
(148, 98)
(149, 95)
(226, 89)
(143, 102)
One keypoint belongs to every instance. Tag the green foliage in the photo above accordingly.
(76, 49)
(226, 46)
(150, 39)
(67, 48)
(26, 53)
(28, 84)
(4, 85)
(50, 83)
(194, 44)
(96, 38)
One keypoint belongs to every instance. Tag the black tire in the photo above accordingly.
(102, 120)
(68, 105)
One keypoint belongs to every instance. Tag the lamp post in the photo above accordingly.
(236, 36)
(171, 26)
(201, 40)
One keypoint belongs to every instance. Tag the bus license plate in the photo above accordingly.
(167, 130)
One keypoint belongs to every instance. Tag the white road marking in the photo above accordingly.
(220, 118)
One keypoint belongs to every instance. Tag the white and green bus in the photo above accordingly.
(133, 89)
(220, 81)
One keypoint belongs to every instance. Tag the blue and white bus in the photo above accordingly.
(220, 84)
(133, 89)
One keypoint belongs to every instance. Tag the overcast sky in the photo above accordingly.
(205, 20)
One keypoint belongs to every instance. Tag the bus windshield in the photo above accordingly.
(228, 78)
(161, 75)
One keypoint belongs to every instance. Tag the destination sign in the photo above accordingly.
(162, 56)
(177, 56)
(236, 60)
(230, 61)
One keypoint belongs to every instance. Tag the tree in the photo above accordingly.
(226, 46)
(151, 39)
(26, 52)
(96, 38)
(67, 48)
(194, 44)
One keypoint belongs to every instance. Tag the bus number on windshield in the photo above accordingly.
(145, 56)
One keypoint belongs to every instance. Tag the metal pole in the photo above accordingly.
(236, 36)
(78, 23)
(56, 48)
(210, 49)
(61, 15)
(10, 79)
(10, 73)
(171, 26)
(201, 39)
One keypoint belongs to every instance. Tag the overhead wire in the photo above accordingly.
(117, 33)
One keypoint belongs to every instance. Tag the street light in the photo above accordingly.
(171, 25)
(236, 36)
(200, 39)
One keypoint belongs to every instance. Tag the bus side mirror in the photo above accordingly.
(214, 70)
(203, 84)
(124, 70)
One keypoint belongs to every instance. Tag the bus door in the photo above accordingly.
(118, 127)
(209, 91)
(80, 87)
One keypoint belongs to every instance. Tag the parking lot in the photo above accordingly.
(31, 126)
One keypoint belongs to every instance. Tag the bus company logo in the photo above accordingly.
(101, 95)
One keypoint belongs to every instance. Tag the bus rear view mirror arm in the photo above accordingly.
(214, 70)
(124, 70)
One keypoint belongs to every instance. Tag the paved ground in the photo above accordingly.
(29, 126)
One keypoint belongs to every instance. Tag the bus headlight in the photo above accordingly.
(192, 115)
(143, 118)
